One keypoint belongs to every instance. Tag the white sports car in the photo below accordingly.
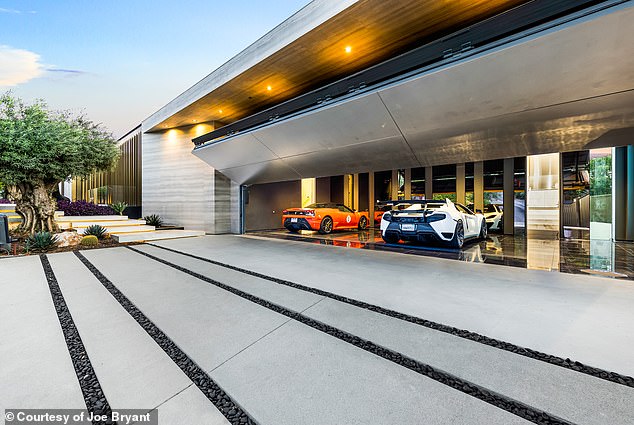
(425, 221)
(494, 216)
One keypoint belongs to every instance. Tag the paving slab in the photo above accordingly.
(189, 407)
(156, 235)
(585, 318)
(298, 375)
(35, 367)
(270, 291)
(134, 372)
(580, 398)
(209, 324)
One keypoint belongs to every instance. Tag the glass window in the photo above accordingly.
(575, 214)
(601, 193)
(519, 190)
(493, 182)
(382, 185)
(444, 182)
(468, 182)
(401, 184)
(418, 183)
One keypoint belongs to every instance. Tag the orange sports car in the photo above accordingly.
(323, 217)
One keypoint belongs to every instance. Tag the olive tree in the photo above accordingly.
(39, 149)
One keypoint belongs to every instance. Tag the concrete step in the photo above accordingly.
(78, 218)
(119, 223)
(156, 235)
(124, 229)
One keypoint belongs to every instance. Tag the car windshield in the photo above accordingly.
(489, 208)
(321, 205)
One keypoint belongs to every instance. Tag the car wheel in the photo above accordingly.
(483, 230)
(390, 238)
(458, 236)
(326, 226)
(363, 223)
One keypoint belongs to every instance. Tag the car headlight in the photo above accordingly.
(387, 216)
(435, 217)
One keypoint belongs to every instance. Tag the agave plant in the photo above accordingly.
(153, 220)
(96, 230)
(119, 207)
(40, 242)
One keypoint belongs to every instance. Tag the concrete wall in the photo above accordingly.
(180, 187)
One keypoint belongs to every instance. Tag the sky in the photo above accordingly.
(118, 61)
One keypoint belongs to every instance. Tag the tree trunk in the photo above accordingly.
(35, 204)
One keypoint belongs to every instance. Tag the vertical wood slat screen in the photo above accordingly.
(122, 184)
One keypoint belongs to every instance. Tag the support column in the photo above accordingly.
(460, 184)
(408, 183)
(478, 185)
(394, 186)
(371, 198)
(355, 192)
(629, 232)
(509, 196)
(429, 188)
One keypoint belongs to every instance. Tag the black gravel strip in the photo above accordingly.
(615, 377)
(94, 398)
(513, 406)
(234, 414)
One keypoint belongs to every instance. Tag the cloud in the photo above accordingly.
(66, 71)
(15, 11)
(18, 66)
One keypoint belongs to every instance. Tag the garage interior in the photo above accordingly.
(541, 124)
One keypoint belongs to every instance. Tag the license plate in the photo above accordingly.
(408, 227)
(293, 220)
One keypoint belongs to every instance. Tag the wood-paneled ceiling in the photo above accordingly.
(372, 31)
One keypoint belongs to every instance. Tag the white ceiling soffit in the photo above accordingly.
(521, 99)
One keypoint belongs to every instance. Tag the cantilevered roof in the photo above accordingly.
(321, 43)
(557, 89)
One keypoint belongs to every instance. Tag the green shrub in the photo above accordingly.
(40, 241)
(96, 230)
(119, 207)
(90, 240)
(153, 220)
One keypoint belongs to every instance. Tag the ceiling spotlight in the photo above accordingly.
(195, 121)
(220, 111)
(269, 88)
(348, 49)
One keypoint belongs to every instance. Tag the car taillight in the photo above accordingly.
(310, 213)
(284, 212)
(387, 216)
(435, 217)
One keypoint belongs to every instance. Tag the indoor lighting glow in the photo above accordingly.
(220, 111)
(348, 49)
(269, 88)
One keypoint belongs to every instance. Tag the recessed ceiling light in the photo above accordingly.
(195, 121)
(348, 49)
(220, 111)
(269, 88)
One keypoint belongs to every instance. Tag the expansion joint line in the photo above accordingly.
(505, 403)
(96, 402)
(617, 378)
(216, 395)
